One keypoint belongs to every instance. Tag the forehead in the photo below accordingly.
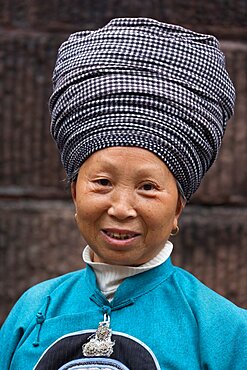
(126, 157)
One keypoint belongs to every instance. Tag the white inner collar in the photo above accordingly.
(109, 277)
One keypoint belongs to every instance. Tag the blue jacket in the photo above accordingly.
(180, 322)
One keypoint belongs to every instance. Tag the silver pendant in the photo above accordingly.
(100, 343)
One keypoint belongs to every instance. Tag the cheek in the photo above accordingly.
(86, 225)
(82, 208)
(159, 217)
(90, 207)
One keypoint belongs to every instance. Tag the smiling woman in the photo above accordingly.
(139, 110)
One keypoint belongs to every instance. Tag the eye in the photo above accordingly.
(103, 182)
(148, 186)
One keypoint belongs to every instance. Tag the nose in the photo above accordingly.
(122, 205)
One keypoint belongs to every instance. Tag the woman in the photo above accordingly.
(139, 110)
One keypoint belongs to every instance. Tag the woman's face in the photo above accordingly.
(127, 203)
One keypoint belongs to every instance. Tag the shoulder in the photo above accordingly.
(36, 297)
(202, 298)
(221, 325)
(49, 286)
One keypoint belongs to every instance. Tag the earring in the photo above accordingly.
(75, 216)
(175, 232)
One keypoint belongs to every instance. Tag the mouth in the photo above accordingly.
(120, 234)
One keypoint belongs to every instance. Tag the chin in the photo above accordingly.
(126, 261)
(112, 261)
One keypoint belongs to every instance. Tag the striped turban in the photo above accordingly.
(139, 82)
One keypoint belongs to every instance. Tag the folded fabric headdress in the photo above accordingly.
(139, 82)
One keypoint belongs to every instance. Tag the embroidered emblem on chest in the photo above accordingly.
(81, 350)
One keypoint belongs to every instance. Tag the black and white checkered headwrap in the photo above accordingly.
(139, 82)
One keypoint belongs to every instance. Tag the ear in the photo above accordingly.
(73, 191)
(180, 206)
(179, 210)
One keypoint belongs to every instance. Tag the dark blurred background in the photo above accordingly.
(38, 236)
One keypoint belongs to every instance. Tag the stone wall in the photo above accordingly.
(38, 236)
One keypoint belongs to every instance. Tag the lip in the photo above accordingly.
(120, 242)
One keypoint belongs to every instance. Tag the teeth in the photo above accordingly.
(119, 236)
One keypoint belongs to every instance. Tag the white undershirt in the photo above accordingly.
(109, 277)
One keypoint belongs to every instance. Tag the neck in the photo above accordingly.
(109, 277)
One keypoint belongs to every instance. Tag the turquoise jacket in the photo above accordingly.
(170, 313)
